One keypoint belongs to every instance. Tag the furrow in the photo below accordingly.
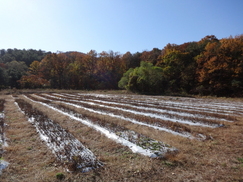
(110, 134)
(167, 126)
(64, 145)
(147, 114)
(163, 110)
(198, 104)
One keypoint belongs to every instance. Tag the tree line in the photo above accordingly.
(207, 67)
(14, 64)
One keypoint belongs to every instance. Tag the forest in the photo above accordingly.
(209, 66)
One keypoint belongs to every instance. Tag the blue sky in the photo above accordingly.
(118, 25)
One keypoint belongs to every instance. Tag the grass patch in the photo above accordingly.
(60, 176)
(240, 160)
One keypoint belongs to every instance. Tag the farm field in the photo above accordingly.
(102, 136)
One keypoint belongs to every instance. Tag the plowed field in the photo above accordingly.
(120, 137)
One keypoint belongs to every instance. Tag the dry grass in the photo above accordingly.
(29, 158)
(209, 160)
(178, 127)
(137, 102)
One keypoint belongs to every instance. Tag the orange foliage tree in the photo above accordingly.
(220, 67)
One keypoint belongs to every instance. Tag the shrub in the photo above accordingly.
(60, 176)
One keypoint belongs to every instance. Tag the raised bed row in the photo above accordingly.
(67, 149)
(1, 124)
(3, 164)
(156, 111)
(156, 123)
(206, 106)
(136, 142)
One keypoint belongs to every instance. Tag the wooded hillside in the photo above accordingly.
(207, 67)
